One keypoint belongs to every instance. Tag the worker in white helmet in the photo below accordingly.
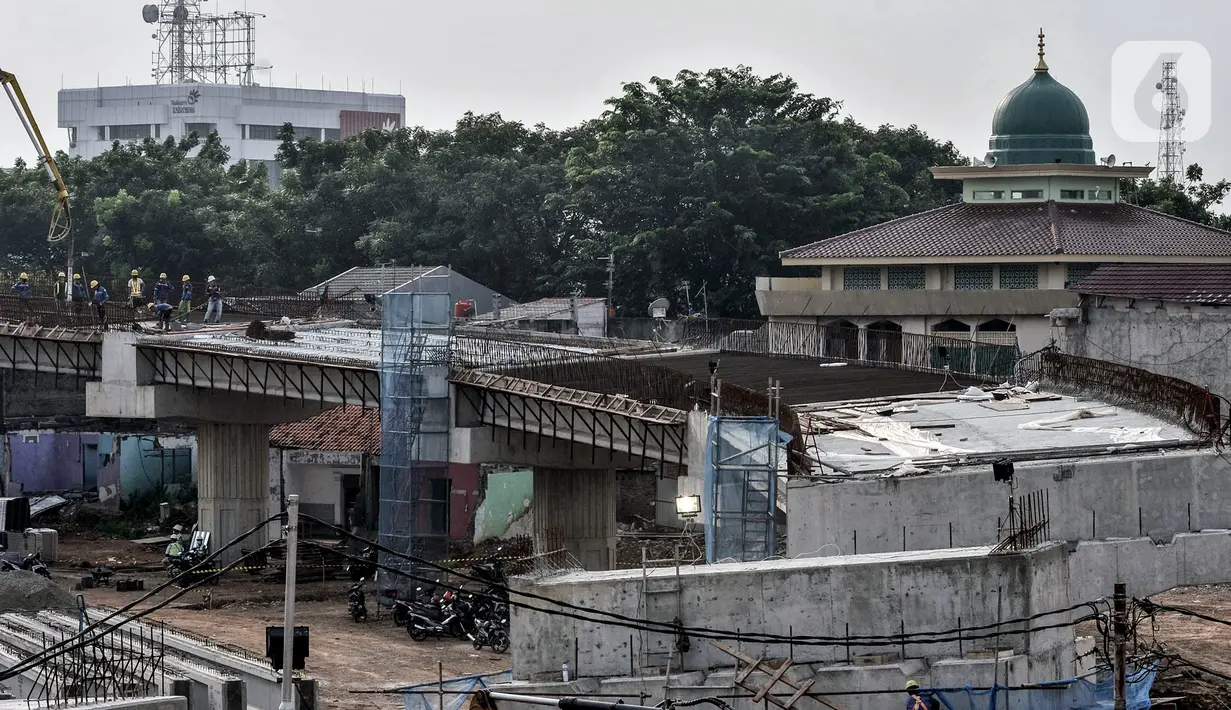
(213, 300)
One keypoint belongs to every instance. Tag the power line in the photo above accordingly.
(666, 627)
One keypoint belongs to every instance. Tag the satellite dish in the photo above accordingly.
(1110, 161)
(989, 160)
(180, 14)
(1159, 86)
(658, 309)
(149, 13)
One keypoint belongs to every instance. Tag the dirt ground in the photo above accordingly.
(345, 656)
(348, 657)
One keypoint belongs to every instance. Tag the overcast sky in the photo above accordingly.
(941, 64)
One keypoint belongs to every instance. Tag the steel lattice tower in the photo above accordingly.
(1170, 127)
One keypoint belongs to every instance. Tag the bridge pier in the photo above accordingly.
(233, 474)
(575, 510)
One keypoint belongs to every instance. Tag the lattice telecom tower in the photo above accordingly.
(195, 48)
(1170, 127)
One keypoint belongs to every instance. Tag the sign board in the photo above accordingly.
(356, 122)
(187, 104)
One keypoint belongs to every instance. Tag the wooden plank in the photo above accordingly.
(773, 680)
(752, 668)
(790, 703)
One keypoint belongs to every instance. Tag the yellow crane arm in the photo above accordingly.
(61, 217)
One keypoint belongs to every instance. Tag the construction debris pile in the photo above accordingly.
(27, 591)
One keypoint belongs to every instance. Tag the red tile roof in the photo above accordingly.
(338, 429)
(1034, 229)
(1183, 283)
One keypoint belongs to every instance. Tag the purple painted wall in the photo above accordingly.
(49, 462)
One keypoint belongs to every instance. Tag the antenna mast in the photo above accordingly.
(196, 48)
(1170, 127)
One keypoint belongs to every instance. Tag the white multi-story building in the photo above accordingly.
(247, 118)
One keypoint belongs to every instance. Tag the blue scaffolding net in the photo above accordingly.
(416, 341)
(741, 481)
(452, 693)
(1068, 694)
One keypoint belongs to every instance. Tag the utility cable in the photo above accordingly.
(667, 627)
(721, 635)
(71, 642)
(1149, 606)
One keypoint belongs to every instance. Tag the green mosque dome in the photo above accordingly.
(1041, 121)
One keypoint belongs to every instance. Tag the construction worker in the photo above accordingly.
(163, 311)
(136, 290)
(185, 296)
(79, 295)
(100, 301)
(162, 289)
(213, 300)
(24, 293)
(917, 699)
(61, 288)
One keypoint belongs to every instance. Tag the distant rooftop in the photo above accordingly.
(1179, 283)
(345, 428)
(542, 309)
(933, 430)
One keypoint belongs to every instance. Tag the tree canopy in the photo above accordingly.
(700, 179)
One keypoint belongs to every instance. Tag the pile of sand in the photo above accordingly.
(27, 591)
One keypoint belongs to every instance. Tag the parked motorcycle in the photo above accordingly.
(491, 573)
(32, 562)
(180, 557)
(367, 568)
(427, 619)
(491, 631)
(356, 602)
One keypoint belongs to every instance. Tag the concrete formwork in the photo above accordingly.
(576, 511)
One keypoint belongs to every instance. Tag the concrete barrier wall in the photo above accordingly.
(1147, 567)
(1092, 498)
(831, 597)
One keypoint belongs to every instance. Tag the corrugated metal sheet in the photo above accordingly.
(356, 122)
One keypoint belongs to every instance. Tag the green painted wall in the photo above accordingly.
(507, 501)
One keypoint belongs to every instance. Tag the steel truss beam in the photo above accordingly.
(577, 423)
(58, 351)
(267, 377)
(610, 403)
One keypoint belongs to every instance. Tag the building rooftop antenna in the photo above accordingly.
(199, 48)
(1170, 126)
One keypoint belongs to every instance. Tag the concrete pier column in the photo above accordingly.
(233, 478)
(575, 510)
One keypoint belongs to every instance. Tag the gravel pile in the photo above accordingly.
(27, 591)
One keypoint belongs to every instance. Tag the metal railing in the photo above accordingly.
(982, 354)
(1169, 397)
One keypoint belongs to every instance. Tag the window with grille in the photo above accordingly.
(1072, 194)
(906, 278)
(333, 134)
(1015, 276)
(861, 278)
(972, 277)
(1100, 194)
(1027, 194)
(988, 194)
(1077, 272)
(263, 133)
(130, 132)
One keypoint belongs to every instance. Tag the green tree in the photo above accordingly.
(1191, 198)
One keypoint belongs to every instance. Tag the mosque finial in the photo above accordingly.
(1042, 65)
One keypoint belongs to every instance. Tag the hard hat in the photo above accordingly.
(150, 307)
(76, 276)
(162, 275)
(211, 279)
(185, 278)
(911, 685)
(93, 284)
(23, 276)
(134, 272)
(61, 274)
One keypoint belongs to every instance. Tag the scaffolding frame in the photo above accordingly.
(197, 48)
(741, 480)
(416, 342)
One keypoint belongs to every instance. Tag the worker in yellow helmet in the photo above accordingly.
(100, 301)
(79, 295)
(136, 290)
(185, 296)
(162, 289)
(917, 699)
(24, 293)
(163, 311)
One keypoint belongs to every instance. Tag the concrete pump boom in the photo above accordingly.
(61, 217)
